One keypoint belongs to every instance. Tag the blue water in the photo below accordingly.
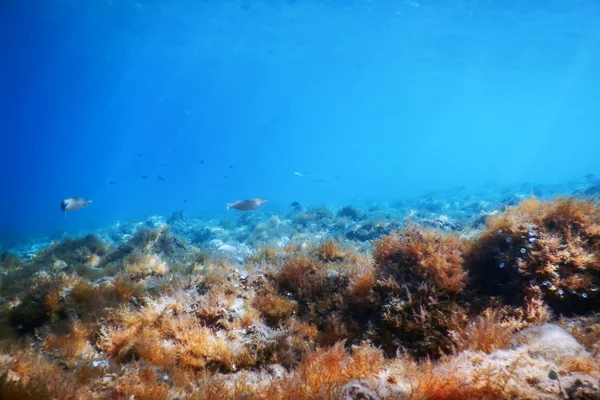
(369, 100)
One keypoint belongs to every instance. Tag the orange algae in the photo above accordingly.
(415, 321)
(549, 247)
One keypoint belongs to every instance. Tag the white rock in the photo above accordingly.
(227, 248)
(549, 341)
(216, 243)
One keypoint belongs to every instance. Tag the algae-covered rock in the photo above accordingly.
(552, 248)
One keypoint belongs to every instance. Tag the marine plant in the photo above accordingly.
(422, 287)
(424, 316)
(542, 249)
(329, 251)
(273, 307)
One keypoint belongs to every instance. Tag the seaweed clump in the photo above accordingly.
(427, 315)
(542, 251)
(74, 251)
(317, 282)
(410, 297)
(422, 286)
(9, 261)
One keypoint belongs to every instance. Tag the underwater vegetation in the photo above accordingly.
(509, 311)
(545, 251)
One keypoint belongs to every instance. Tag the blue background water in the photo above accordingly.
(380, 99)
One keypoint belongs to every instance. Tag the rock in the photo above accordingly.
(443, 222)
(201, 236)
(216, 243)
(370, 231)
(550, 341)
(357, 390)
(155, 222)
(513, 200)
(274, 222)
(582, 391)
(433, 205)
(276, 371)
(227, 248)
(350, 212)
(535, 352)
(237, 309)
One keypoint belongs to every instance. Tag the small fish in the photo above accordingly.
(74, 204)
(160, 178)
(185, 200)
(112, 182)
(553, 375)
(162, 165)
(247, 205)
(144, 176)
(58, 265)
(225, 177)
(201, 161)
(298, 174)
(140, 155)
(296, 205)
(231, 167)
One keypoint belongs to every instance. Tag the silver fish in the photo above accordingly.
(247, 205)
(74, 204)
